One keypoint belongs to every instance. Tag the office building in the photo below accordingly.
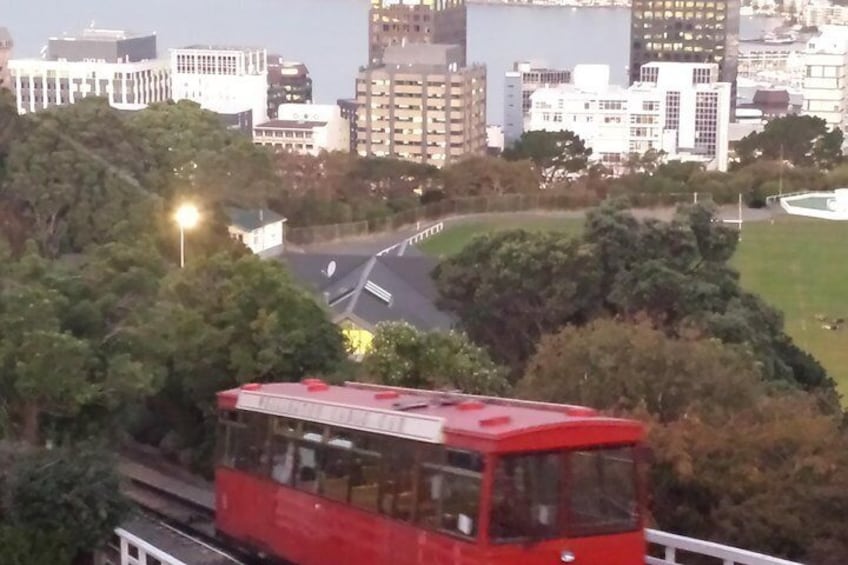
(288, 83)
(6, 45)
(691, 31)
(118, 65)
(819, 13)
(825, 73)
(680, 109)
(349, 107)
(398, 22)
(781, 64)
(523, 80)
(225, 80)
(421, 104)
(305, 128)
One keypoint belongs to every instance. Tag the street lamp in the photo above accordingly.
(187, 217)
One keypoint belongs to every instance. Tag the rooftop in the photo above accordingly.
(424, 54)
(210, 47)
(290, 124)
(427, 412)
(249, 220)
(96, 34)
(5, 37)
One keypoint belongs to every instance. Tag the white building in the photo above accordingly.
(260, 230)
(819, 13)
(118, 65)
(305, 128)
(525, 78)
(225, 80)
(824, 86)
(677, 108)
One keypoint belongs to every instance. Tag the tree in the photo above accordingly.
(800, 140)
(76, 177)
(58, 504)
(229, 320)
(624, 367)
(555, 153)
(401, 355)
(485, 176)
(511, 287)
(80, 318)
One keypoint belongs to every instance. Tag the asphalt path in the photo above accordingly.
(371, 244)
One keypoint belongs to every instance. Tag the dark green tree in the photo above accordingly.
(555, 153)
(801, 140)
(512, 287)
(401, 355)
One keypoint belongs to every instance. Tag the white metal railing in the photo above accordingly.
(770, 199)
(420, 236)
(134, 551)
(670, 544)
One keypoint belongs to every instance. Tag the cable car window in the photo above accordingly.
(526, 497)
(460, 502)
(336, 468)
(282, 450)
(247, 443)
(309, 458)
(430, 483)
(397, 493)
(603, 496)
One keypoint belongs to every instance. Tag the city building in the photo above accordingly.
(824, 86)
(421, 104)
(819, 13)
(118, 65)
(6, 45)
(680, 109)
(523, 80)
(781, 63)
(261, 230)
(362, 291)
(305, 128)
(349, 107)
(398, 22)
(494, 139)
(225, 80)
(288, 83)
(692, 31)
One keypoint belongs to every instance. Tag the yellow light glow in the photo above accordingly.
(187, 216)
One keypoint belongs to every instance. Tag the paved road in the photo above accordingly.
(369, 245)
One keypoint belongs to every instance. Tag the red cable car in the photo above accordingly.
(367, 474)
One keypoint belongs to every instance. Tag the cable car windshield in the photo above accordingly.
(548, 495)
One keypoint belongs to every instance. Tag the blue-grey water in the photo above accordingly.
(330, 36)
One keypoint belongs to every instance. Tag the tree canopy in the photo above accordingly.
(400, 355)
(800, 140)
(555, 153)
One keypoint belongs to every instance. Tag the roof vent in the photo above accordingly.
(470, 405)
(317, 387)
(495, 421)
(379, 292)
(311, 381)
(580, 412)
(386, 395)
(251, 386)
(414, 405)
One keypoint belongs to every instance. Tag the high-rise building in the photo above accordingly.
(226, 80)
(288, 83)
(6, 45)
(524, 79)
(397, 22)
(690, 31)
(349, 107)
(421, 104)
(825, 90)
(681, 109)
(118, 65)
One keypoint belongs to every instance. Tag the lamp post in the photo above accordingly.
(187, 217)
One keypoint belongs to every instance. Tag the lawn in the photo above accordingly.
(457, 236)
(797, 264)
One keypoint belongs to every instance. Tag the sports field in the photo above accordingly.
(797, 264)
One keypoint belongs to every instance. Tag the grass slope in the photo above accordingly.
(798, 265)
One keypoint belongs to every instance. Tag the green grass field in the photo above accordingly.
(799, 265)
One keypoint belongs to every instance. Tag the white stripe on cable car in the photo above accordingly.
(390, 422)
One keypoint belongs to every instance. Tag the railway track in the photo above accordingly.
(187, 509)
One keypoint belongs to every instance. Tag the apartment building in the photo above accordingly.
(824, 83)
(398, 22)
(680, 109)
(305, 128)
(520, 83)
(819, 13)
(421, 104)
(6, 45)
(288, 83)
(349, 108)
(691, 31)
(118, 65)
(225, 80)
